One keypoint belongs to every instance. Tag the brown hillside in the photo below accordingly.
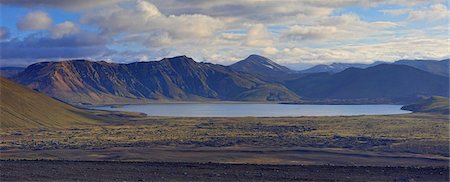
(21, 107)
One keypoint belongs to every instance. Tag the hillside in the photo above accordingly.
(21, 107)
(432, 66)
(433, 104)
(178, 78)
(378, 82)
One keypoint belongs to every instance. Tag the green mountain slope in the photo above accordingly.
(433, 104)
(21, 107)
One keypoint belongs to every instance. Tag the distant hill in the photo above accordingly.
(256, 64)
(377, 82)
(10, 72)
(433, 104)
(337, 67)
(265, 69)
(22, 107)
(178, 78)
(437, 67)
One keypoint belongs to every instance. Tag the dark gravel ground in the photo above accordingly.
(152, 171)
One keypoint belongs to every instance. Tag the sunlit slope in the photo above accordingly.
(25, 108)
(433, 104)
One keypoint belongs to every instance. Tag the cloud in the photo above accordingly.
(396, 49)
(395, 12)
(4, 33)
(258, 36)
(70, 5)
(298, 33)
(65, 28)
(270, 51)
(223, 31)
(36, 46)
(37, 20)
(145, 17)
(432, 13)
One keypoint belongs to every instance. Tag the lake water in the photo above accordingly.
(258, 110)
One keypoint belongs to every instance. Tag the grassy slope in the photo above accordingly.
(25, 108)
(435, 104)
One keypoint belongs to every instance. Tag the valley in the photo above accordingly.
(254, 79)
(414, 141)
(47, 124)
(201, 90)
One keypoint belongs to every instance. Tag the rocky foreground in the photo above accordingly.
(151, 171)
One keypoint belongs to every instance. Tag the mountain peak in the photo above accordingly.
(182, 58)
(260, 65)
(259, 59)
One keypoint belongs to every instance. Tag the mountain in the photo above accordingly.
(255, 64)
(265, 69)
(433, 104)
(337, 67)
(22, 107)
(378, 82)
(178, 78)
(437, 67)
(10, 72)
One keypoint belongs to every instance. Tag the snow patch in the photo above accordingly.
(271, 67)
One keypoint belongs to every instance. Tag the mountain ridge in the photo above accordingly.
(183, 79)
(177, 78)
(381, 81)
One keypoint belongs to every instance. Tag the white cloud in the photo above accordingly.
(432, 13)
(37, 20)
(270, 51)
(65, 28)
(258, 36)
(145, 17)
(299, 33)
(395, 49)
(223, 31)
(65, 4)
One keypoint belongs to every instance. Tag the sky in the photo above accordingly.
(296, 33)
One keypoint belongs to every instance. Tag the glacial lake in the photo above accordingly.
(257, 110)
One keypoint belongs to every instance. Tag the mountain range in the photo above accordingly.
(176, 79)
(437, 67)
(337, 67)
(432, 66)
(384, 81)
(255, 78)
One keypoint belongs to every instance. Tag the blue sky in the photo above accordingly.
(293, 33)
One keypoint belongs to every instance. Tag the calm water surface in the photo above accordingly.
(258, 110)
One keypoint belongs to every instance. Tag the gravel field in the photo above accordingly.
(44, 170)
